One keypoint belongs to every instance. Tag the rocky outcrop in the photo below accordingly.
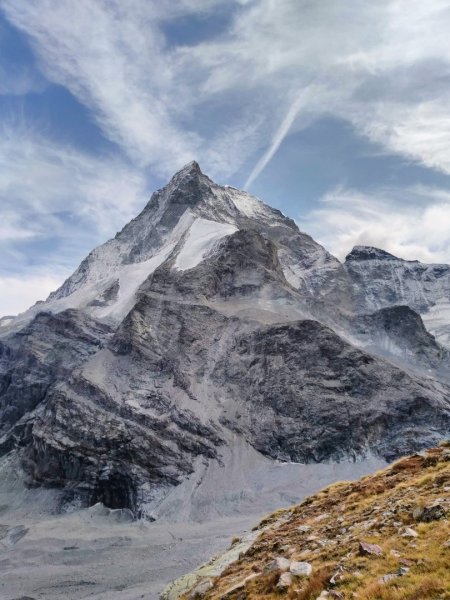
(399, 333)
(288, 379)
(380, 280)
(41, 354)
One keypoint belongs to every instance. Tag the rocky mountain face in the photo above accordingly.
(209, 321)
(381, 280)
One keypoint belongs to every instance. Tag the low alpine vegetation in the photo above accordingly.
(384, 537)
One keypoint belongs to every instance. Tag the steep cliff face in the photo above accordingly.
(209, 321)
(306, 395)
(399, 332)
(381, 280)
(185, 219)
(42, 354)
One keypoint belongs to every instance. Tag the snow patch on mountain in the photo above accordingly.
(133, 275)
(246, 204)
(201, 238)
(4, 321)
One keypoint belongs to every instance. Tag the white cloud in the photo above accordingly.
(20, 82)
(148, 95)
(282, 131)
(113, 57)
(359, 54)
(56, 204)
(110, 55)
(420, 132)
(382, 66)
(22, 292)
(40, 178)
(413, 224)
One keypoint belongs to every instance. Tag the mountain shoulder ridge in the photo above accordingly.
(372, 252)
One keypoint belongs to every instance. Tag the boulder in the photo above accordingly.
(300, 569)
(433, 513)
(409, 532)
(366, 549)
(229, 593)
(200, 589)
(387, 578)
(304, 528)
(279, 563)
(284, 581)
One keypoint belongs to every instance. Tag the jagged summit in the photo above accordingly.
(203, 346)
(181, 224)
(381, 279)
(190, 167)
(370, 253)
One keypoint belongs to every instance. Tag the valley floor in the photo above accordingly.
(96, 554)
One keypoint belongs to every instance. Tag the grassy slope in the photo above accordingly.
(375, 509)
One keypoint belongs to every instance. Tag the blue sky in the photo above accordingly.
(336, 113)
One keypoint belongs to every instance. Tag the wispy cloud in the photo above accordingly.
(279, 136)
(413, 223)
(146, 94)
(62, 199)
(23, 292)
(384, 67)
(113, 57)
(229, 101)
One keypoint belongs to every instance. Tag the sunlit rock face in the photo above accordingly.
(211, 323)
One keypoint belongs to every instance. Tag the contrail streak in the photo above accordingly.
(279, 136)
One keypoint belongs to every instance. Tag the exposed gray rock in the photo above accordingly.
(409, 532)
(13, 535)
(304, 528)
(322, 375)
(284, 581)
(388, 578)
(381, 279)
(300, 569)
(366, 549)
(400, 334)
(211, 321)
(434, 512)
(200, 589)
(279, 563)
(43, 353)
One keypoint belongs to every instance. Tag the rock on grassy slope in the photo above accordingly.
(384, 537)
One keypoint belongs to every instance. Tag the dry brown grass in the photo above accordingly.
(311, 588)
(374, 509)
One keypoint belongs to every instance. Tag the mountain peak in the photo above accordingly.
(369, 253)
(191, 166)
(191, 169)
